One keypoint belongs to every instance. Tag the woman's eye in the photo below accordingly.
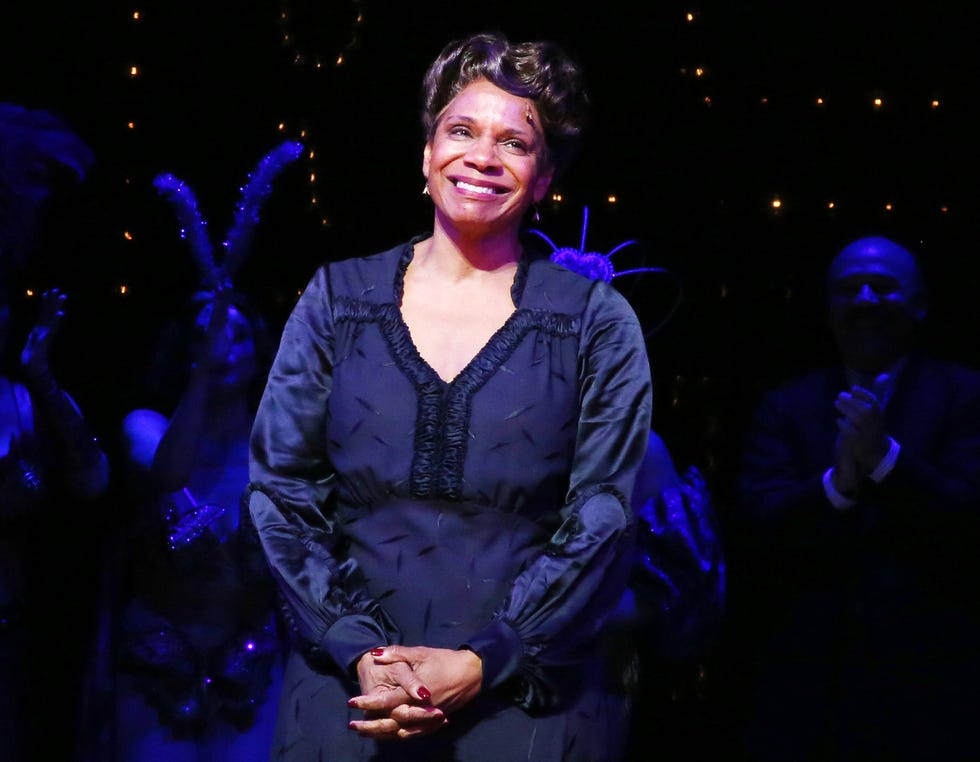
(515, 147)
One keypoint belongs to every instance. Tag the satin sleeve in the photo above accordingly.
(330, 614)
(559, 603)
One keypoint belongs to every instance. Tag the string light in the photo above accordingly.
(309, 31)
(135, 16)
(315, 33)
(819, 100)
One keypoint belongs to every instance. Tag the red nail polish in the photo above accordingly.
(424, 694)
(351, 726)
(377, 652)
(352, 703)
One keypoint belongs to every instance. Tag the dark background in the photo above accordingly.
(693, 161)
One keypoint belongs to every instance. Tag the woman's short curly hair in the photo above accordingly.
(540, 71)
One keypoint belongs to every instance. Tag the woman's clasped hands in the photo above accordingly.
(408, 691)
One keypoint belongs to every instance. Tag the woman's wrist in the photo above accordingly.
(81, 447)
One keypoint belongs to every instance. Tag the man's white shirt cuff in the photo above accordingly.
(887, 463)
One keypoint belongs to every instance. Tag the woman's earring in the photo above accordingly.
(537, 215)
(425, 190)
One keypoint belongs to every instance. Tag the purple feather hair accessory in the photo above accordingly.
(591, 264)
(597, 266)
(193, 226)
(254, 194)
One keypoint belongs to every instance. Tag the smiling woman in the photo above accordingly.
(442, 461)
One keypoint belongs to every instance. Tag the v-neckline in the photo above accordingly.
(516, 294)
(471, 363)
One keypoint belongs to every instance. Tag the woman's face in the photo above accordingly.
(231, 355)
(485, 163)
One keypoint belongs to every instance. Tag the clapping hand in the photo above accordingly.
(862, 440)
(213, 322)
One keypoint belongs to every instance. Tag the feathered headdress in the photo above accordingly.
(598, 266)
(218, 272)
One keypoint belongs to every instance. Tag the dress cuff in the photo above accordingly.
(839, 501)
(887, 463)
(501, 650)
(351, 637)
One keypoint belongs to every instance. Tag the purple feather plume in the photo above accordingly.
(192, 225)
(254, 194)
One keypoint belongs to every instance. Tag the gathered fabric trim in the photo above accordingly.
(444, 407)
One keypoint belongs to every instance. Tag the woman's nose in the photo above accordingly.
(482, 152)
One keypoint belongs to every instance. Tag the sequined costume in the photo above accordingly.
(198, 654)
(198, 637)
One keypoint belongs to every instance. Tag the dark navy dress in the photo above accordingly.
(490, 512)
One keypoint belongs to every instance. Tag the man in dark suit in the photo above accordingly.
(855, 539)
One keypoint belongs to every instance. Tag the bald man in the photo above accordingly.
(855, 538)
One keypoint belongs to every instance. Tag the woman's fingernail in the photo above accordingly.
(351, 725)
(377, 652)
(424, 694)
(352, 703)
